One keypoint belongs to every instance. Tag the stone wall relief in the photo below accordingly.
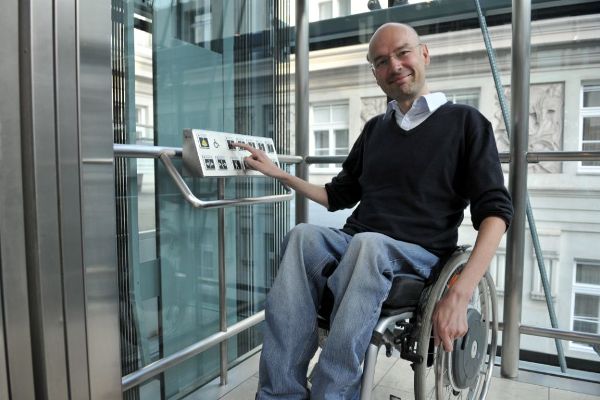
(545, 123)
(370, 107)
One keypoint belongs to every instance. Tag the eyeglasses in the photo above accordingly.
(400, 54)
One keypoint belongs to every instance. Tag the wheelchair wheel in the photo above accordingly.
(464, 373)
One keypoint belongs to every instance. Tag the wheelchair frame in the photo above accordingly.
(407, 328)
(409, 331)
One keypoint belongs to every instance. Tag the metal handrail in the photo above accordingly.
(146, 151)
(143, 374)
(537, 156)
(532, 157)
(554, 333)
(164, 154)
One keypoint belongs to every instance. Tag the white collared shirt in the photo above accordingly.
(421, 109)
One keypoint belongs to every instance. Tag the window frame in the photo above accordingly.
(587, 289)
(453, 94)
(331, 127)
(586, 112)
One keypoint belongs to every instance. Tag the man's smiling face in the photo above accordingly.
(398, 63)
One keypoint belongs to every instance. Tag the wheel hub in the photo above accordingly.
(468, 353)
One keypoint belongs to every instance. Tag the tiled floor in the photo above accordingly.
(243, 380)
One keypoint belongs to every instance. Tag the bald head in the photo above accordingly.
(392, 29)
(398, 61)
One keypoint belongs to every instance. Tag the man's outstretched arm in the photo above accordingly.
(450, 315)
(259, 161)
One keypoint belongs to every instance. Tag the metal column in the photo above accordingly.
(513, 287)
(16, 372)
(302, 103)
(222, 285)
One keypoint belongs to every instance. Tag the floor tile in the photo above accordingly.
(399, 376)
(506, 389)
(384, 392)
(245, 391)
(556, 394)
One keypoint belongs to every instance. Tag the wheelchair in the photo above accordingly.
(405, 324)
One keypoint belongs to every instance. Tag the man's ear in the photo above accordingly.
(425, 53)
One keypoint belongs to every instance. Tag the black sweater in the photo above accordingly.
(414, 185)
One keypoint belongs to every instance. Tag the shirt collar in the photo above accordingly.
(426, 103)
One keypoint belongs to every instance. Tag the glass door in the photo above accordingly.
(221, 66)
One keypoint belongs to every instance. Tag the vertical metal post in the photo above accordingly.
(17, 380)
(222, 284)
(513, 287)
(530, 218)
(302, 103)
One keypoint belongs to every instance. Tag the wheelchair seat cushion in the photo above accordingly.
(404, 293)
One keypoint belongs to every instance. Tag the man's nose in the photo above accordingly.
(395, 62)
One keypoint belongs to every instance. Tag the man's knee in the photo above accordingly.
(369, 240)
(300, 233)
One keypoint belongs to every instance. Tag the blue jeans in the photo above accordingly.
(358, 270)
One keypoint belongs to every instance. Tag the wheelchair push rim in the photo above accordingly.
(465, 373)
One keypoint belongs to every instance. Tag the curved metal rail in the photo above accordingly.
(165, 154)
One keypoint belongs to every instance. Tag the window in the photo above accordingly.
(586, 300)
(497, 267)
(590, 125)
(551, 264)
(143, 128)
(329, 134)
(466, 96)
(327, 9)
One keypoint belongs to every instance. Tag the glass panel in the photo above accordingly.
(587, 306)
(584, 326)
(344, 7)
(591, 97)
(470, 98)
(321, 115)
(321, 142)
(588, 274)
(590, 147)
(339, 114)
(591, 128)
(564, 200)
(325, 9)
(214, 65)
(341, 142)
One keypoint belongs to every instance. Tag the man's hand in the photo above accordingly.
(450, 318)
(258, 160)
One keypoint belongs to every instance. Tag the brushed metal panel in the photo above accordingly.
(17, 336)
(41, 199)
(98, 201)
(69, 188)
(3, 365)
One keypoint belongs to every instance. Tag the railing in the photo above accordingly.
(165, 154)
(531, 157)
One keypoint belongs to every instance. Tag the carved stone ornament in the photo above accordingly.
(546, 105)
(370, 107)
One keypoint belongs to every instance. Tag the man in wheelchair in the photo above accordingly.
(412, 171)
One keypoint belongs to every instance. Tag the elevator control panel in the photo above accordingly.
(212, 154)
